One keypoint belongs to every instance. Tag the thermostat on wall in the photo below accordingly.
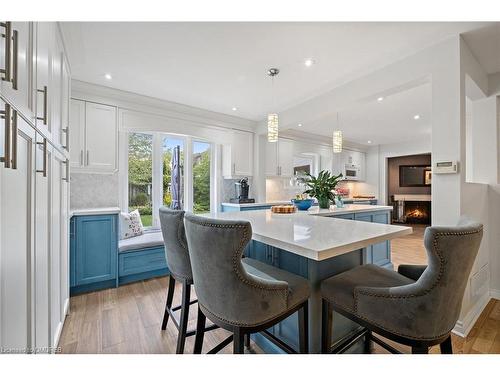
(445, 167)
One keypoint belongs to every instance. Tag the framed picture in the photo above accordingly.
(428, 177)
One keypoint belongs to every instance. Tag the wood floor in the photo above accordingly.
(128, 319)
(409, 249)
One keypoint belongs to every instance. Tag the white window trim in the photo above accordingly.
(157, 173)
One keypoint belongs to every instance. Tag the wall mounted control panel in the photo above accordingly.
(442, 167)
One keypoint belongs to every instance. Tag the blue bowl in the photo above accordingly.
(303, 204)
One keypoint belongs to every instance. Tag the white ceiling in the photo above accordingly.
(381, 122)
(218, 66)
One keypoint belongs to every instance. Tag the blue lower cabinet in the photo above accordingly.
(379, 254)
(93, 252)
(142, 264)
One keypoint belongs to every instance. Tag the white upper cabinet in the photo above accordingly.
(285, 157)
(93, 137)
(279, 158)
(77, 133)
(237, 157)
(16, 62)
(44, 45)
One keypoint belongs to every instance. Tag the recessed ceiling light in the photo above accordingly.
(299, 125)
(234, 109)
(107, 76)
(416, 117)
(309, 62)
(380, 98)
(369, 142)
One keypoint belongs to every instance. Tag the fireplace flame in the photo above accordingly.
(416, 213)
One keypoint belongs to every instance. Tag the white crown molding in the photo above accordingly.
(141, 103)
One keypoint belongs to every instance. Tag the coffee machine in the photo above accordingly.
(241, 189)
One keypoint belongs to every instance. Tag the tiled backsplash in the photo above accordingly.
(90, 190)
(281, 189)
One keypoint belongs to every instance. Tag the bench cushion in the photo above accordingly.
(148, 239)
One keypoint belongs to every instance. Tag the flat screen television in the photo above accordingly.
(415, 175)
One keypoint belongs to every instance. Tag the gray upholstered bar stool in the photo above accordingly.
(243, 296)
(176, 252)
(417, 306)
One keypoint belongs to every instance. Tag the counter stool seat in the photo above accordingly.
(241, 295)
(417, 306)
(298, 287)
(339, 290)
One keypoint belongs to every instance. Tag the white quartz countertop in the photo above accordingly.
(317, 234)
(95, 211)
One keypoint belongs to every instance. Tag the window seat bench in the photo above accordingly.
(141, 258)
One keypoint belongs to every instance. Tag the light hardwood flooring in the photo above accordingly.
(128, 319)
(409, 249)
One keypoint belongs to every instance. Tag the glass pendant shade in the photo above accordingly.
(272, 127)
(337, 141)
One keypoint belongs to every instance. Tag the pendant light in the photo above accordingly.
(272, 118)
(337, 139)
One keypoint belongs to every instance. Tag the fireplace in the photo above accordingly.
(412, 209)
(416, 212)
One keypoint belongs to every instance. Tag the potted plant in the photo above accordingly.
(322, 187)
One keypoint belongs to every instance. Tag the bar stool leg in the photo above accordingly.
(247, 341)
(446, 347)
(368, 342)
(326, 327)
(419, 350)
(304, 328)
(200, 332)
(238, 341)
(168, 305)
(186, 295)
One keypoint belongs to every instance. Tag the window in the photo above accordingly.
(140, 175)
(201, 177)
(151, 170)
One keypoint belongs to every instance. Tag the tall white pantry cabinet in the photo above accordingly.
(34, 186)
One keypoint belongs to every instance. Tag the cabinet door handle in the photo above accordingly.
(14, 140)
(8, 38)
(44, 170)
(81, 157)
(88, 157)
(15, 42)
(44, 118)
(66, 167)
(5, 114)
(66, 131)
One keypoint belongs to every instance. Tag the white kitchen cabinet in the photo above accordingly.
(33, 220)
(16, 235)
(93, 137)
(279, 158)
(43, 175)
(42, 86)
(353, 159)
(58, 244)
(15, 82)
(77, 133)
(237, 157)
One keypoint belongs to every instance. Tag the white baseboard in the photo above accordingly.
(60, 326)
(463, 327)
(495, 293)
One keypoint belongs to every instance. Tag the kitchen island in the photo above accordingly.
(317, 244)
